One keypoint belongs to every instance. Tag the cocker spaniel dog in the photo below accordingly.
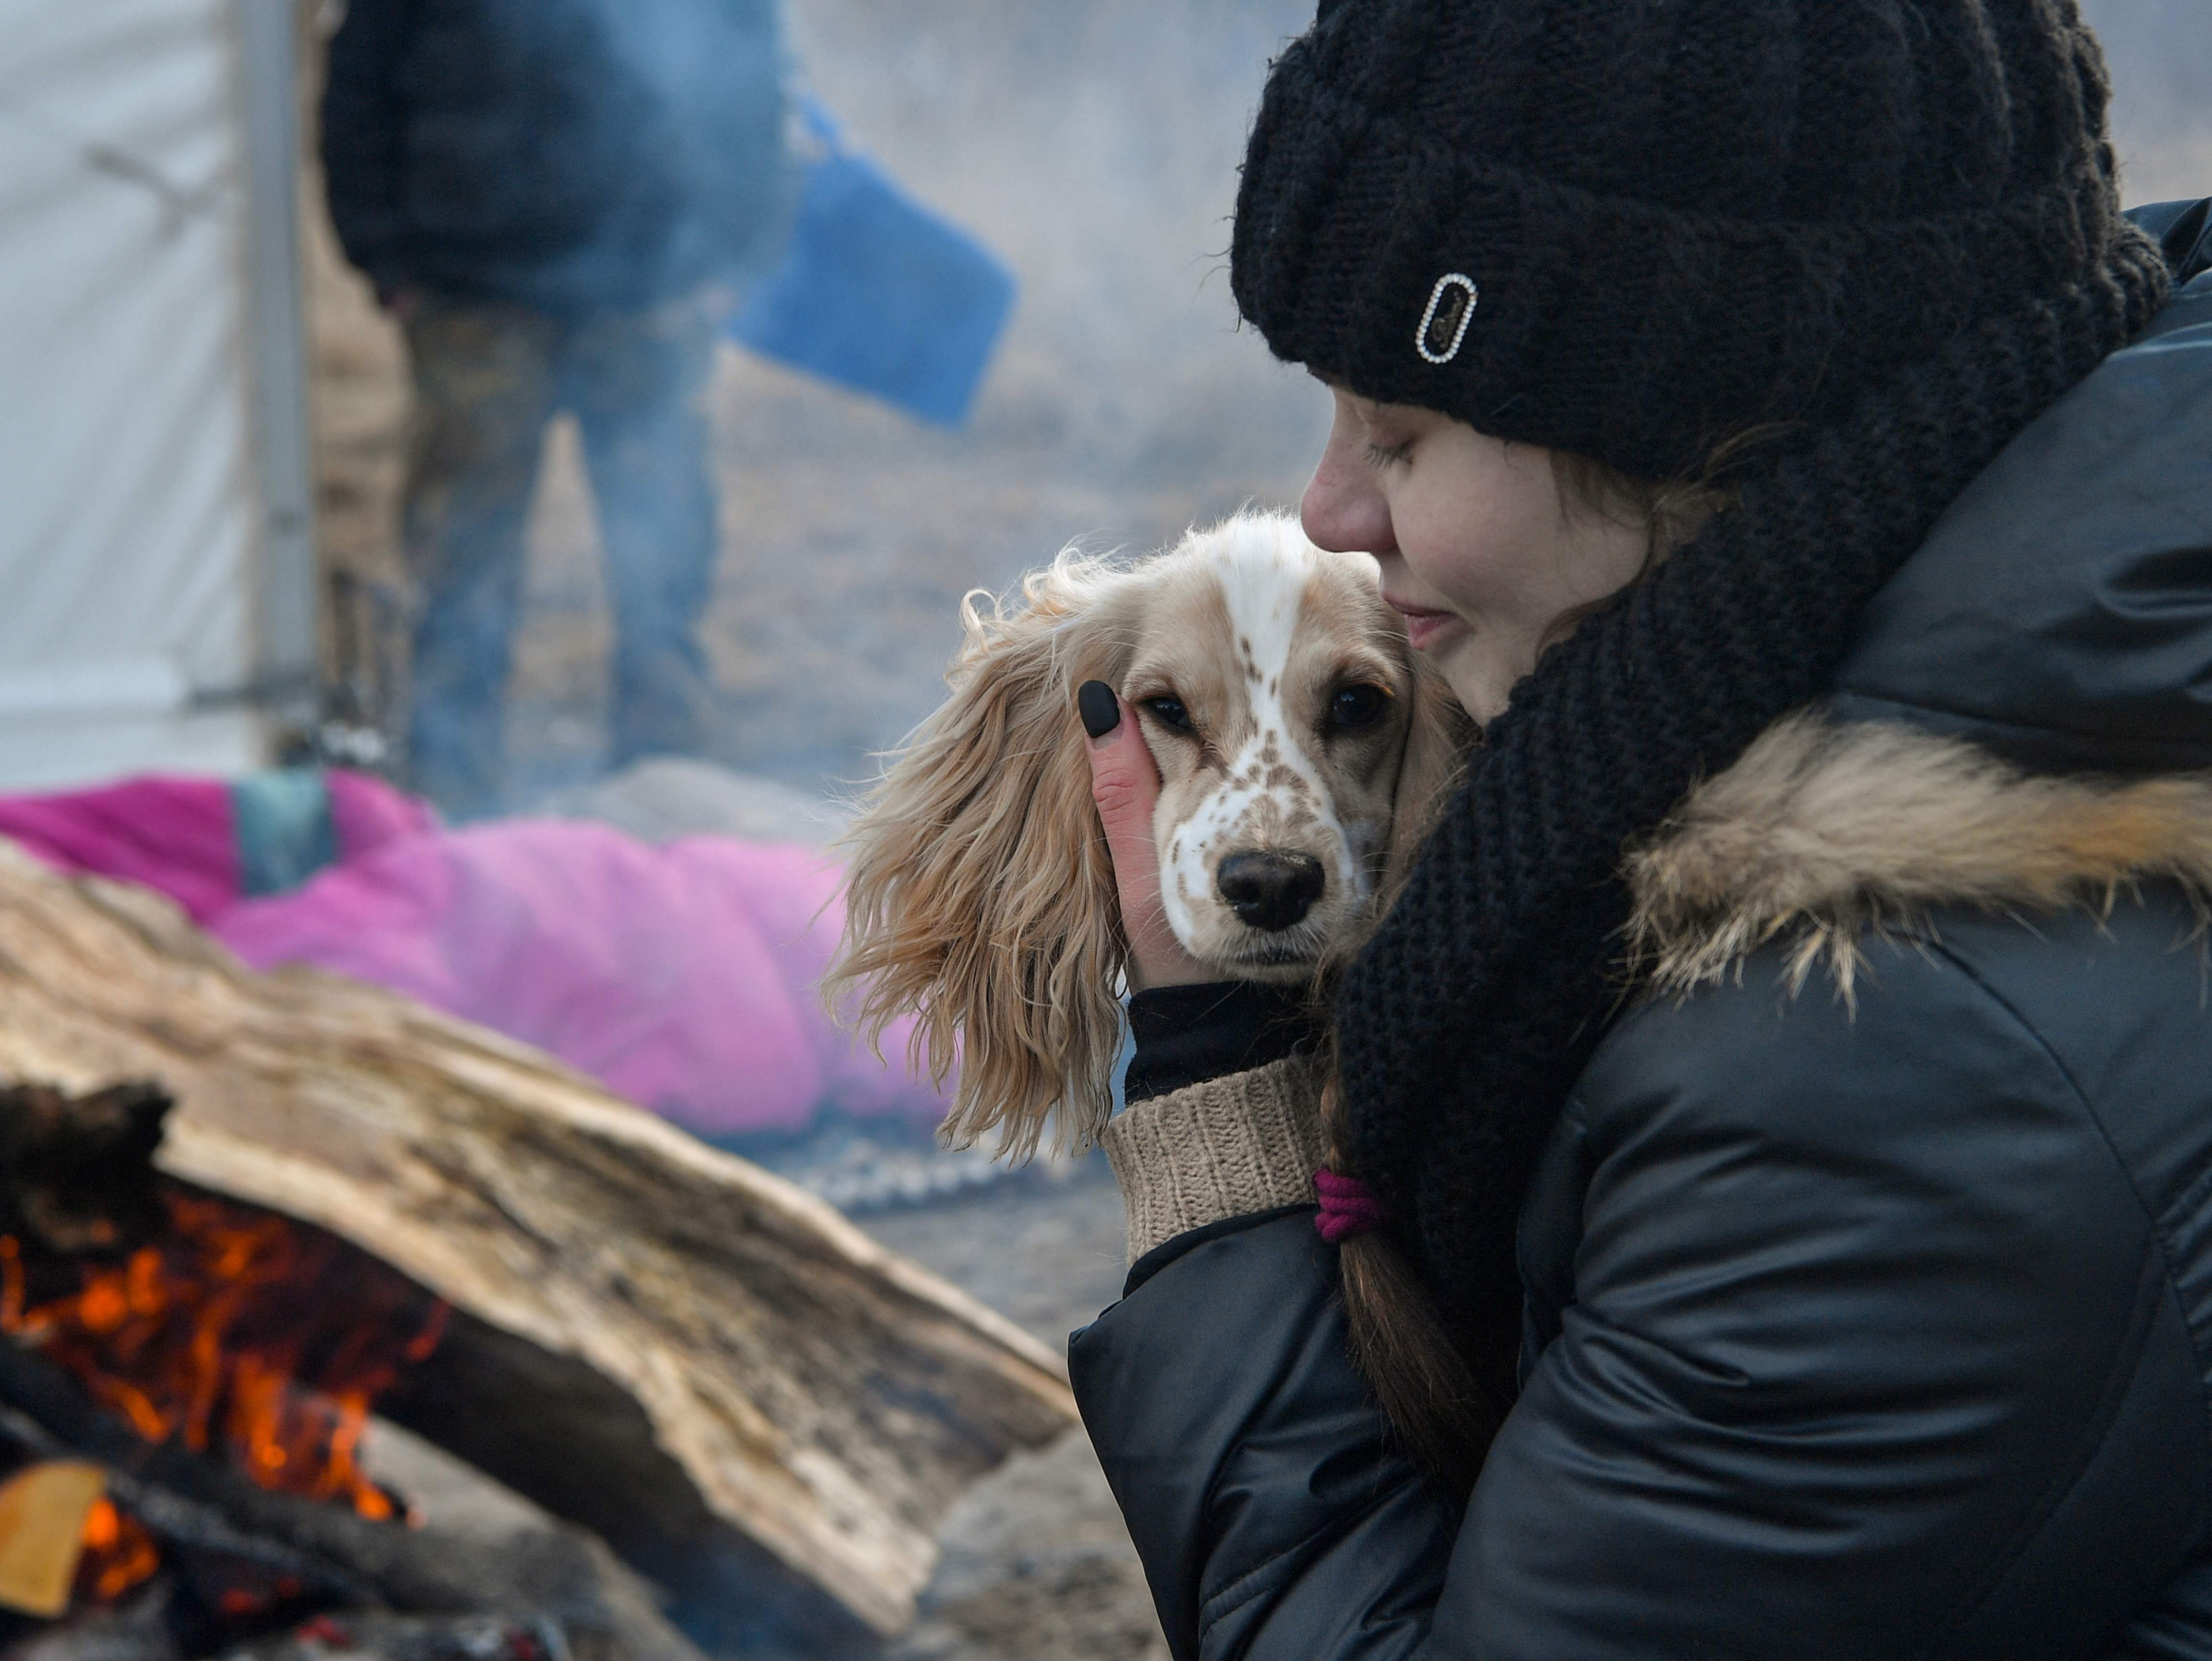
(1302, 748)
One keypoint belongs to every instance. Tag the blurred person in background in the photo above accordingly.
(555, 199)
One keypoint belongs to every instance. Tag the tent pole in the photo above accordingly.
(287, 668)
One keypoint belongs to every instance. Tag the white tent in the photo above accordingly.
(156, 568)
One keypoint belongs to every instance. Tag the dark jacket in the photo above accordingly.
(1869, 1270)
(566, 154)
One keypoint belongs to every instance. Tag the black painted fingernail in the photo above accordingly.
(1100, 710)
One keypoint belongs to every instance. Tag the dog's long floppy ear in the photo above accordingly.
(1437, 741)
(980, 897)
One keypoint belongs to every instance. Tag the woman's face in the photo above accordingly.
(1477, 547)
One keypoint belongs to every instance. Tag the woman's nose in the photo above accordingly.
(1344, 509)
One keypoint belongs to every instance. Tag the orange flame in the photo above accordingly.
(117, 1554)
(238, 1333)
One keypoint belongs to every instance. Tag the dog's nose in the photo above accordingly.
(1271, 890)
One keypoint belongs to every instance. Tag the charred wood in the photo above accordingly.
(77, 1171)
(212, 1520)
(45, 1416)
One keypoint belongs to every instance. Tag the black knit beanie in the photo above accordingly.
(1629, 228)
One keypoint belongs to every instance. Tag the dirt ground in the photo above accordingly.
(1037, 1565)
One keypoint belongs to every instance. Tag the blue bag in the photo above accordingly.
(876, 292)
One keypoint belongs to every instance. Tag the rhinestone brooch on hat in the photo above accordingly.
(1443, 324)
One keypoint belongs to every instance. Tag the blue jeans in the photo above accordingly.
(487, 378)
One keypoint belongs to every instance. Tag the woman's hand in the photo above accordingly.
(1126, 786)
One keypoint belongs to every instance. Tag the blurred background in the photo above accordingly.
(205, 419)
(1094, 144)
(158, 366)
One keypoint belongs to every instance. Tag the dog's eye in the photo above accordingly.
(1171, 713)
(1357, 706)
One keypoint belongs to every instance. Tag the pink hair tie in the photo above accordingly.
(1348, 1207)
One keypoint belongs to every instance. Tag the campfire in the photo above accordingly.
(184, 1386)
(187, 1382)
(236, 1333)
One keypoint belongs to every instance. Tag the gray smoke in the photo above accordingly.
(1094, 144)
(2160, 53)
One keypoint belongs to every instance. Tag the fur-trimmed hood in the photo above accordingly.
(1826, 832)
(2025, 723)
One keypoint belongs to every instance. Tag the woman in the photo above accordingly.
(1772, 1129)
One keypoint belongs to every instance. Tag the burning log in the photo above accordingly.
(738, 1390)
(220, 1326)
(204, 1372)
(259, 1554)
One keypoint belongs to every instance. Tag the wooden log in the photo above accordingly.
(703, 1364)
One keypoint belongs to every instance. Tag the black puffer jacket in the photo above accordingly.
(1869, 1271)
(568, 155)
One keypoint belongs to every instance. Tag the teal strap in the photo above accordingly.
(285, 834)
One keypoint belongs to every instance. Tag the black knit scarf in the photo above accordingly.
(1465, 1022)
